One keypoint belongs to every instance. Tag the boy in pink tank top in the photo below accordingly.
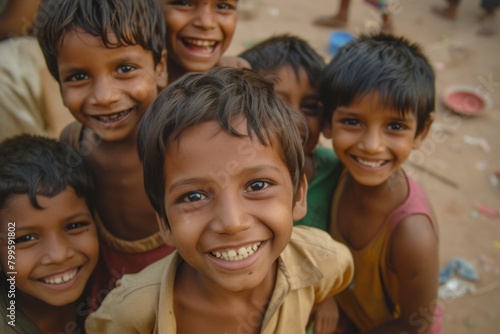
(379, 94)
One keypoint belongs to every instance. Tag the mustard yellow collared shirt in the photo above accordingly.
(311, 268)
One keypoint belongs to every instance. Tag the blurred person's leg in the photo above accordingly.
(488, 19)
(449, 11)
(337, 20)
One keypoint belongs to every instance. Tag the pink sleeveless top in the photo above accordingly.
(371, 299)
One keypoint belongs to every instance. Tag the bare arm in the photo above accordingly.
(414, 255)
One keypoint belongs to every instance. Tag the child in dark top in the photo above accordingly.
(198, 34)
(379, 96)
(48, 238)
(296, 68)
(109, 58)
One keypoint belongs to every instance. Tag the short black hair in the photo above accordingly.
(222, 95)
(392, 66)
(133, 22)
(277, 51)
(36, 165)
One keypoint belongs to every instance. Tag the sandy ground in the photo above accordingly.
(461, 152)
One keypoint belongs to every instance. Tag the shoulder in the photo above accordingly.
(71, 134)
(314, 250)
(415, 234)
(133, 304)
(319, 246)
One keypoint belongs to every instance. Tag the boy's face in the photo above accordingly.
(56, 248)
(107, 89)
(302, 96)
(230, 205)
(371, 140)
(199, 31)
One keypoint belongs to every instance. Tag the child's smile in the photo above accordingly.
(237, 254)
(199, 46)
(58, 279)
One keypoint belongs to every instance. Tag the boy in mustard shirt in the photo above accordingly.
(223, 168)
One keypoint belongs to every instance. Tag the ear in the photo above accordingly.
(161, 71)
(165, 232)
(419, 139)
(300, 205)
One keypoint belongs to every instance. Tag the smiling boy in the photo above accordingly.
(223, 168)
(109, 58)
(48, 239)
(198, 34)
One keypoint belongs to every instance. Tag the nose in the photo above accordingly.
(372, 141)
(205, 17)
(56, 250)
(104, 92)
(230, 217)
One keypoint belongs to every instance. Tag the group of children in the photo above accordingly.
(193, 197)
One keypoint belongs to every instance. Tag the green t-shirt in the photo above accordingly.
(321, 189)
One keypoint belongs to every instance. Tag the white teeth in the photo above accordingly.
(61, 279)
(237, 255)
(113, 118)
(373, 164)
(200, 42)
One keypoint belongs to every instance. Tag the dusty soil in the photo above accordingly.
(459, 155)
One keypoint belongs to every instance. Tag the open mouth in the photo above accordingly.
(237, 254)
(200, 45)
(371, 164)
(114, 117)
(60, 279)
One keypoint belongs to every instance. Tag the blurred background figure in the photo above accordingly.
(30, 100)
(340, 19)
(487, 18)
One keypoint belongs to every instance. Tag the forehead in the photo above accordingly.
(207, 149)
(372, 103)
(61, 207)
(287, 79)
(79, 39)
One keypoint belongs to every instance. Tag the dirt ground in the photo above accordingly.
(460, 154)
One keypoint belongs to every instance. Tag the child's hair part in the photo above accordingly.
(278, 51)
(392, 66)
(133, 22)
(36, 165)
(222, 95)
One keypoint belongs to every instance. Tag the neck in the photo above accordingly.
(175, 71)
(214, 294)
(95, 140)
(392, 191)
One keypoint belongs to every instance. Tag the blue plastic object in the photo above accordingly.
(337, 40)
